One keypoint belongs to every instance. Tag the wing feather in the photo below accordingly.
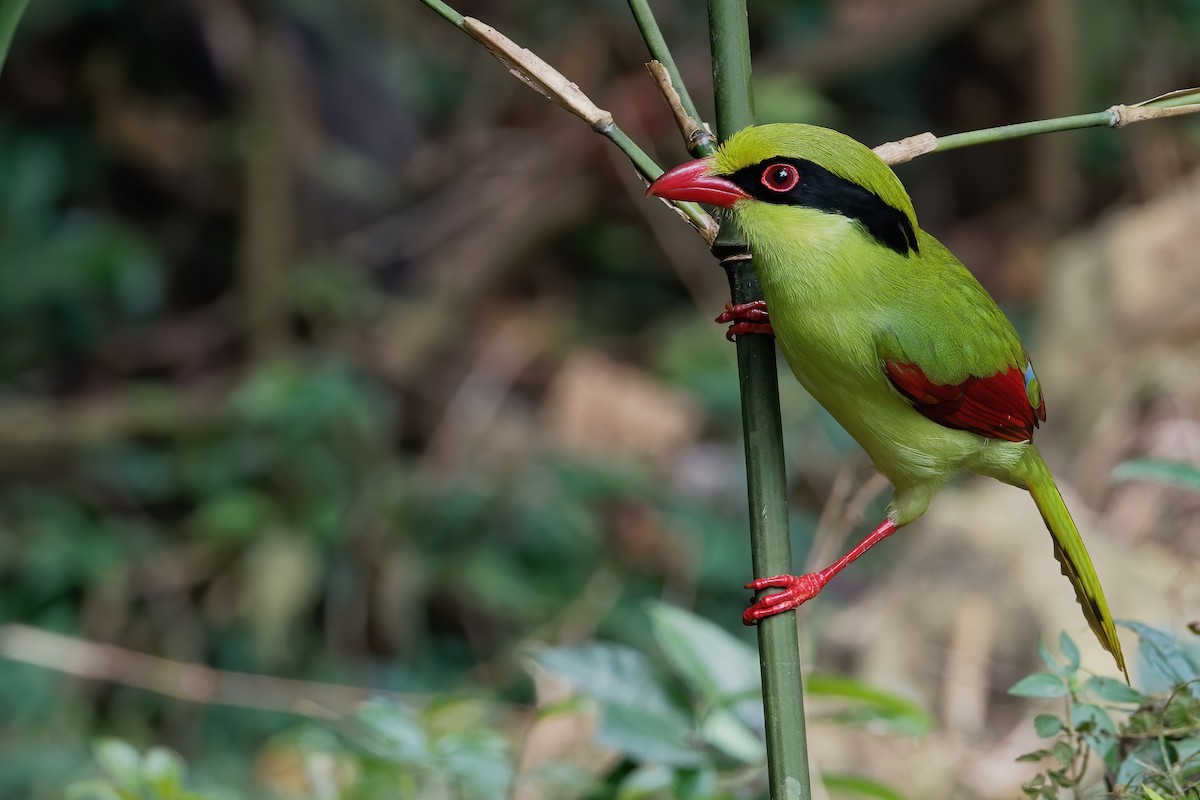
(996, 406)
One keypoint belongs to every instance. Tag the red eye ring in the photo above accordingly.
(780, 177)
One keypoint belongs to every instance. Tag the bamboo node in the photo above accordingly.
(1120, 116)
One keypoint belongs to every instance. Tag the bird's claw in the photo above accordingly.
(797, 590)
(746, 318)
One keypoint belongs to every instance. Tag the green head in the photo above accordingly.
(802, 166)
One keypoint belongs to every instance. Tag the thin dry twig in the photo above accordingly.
(544, 79)
(197, 683)
(906, 149)
(550, 83)
(695, 132)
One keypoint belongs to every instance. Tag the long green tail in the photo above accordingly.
(1072, 555)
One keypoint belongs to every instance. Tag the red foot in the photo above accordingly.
(746, 318)
(797, 589)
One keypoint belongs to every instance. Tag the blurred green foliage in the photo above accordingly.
(685, 724)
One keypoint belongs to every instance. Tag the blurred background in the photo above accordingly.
(331, 353)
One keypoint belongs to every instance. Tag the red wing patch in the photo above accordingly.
(997, 406)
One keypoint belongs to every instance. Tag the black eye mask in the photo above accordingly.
(820, 189)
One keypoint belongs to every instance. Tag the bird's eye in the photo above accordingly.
(780, 177)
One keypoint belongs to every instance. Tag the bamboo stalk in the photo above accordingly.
(770, 542)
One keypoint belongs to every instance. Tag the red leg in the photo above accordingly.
(797, 589)
(746, 318)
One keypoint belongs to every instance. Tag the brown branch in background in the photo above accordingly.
(843, 510)
(266, 215)
(1056, 187)
(40, 430)
(193, 682)
(485, 388)
(469, 240)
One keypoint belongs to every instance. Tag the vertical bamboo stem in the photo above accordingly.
(778, 641)
(266, 242)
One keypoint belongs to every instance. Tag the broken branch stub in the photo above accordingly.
(538, 75)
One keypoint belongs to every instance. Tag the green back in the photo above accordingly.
(923, 308)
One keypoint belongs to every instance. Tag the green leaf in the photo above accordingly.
(1063, 752)
(1098, 731)
(1151, 794)
(571, 705)
(479, 762)
(608, 672)
(1174, 473)
(637, 715)
(121, 761)
(1133, 770)
(647, 735)
(708, 659)
(234, 515)
(1186, 752)
(873, 705)
(1047, 725)
(396, 733)
(1114, 691)
(1060, 779)
(698, 784)
(1169, 662)
(1047, 658)
(92, 790)
(724, 731)
(163, 771)
(857, 785)
(1067, 645)
(646, 782)
(1039, 684)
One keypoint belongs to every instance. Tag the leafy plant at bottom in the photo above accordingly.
(157, 774)
(1147, 739)
(694, 729)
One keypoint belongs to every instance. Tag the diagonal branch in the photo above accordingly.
(699, 140)
(657, 45)
(1172, 104)
(552, 84)
(193, 682)
(544, 79)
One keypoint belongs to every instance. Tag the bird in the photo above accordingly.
(888, 331)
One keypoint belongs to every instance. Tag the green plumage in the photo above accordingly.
(842, 304)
